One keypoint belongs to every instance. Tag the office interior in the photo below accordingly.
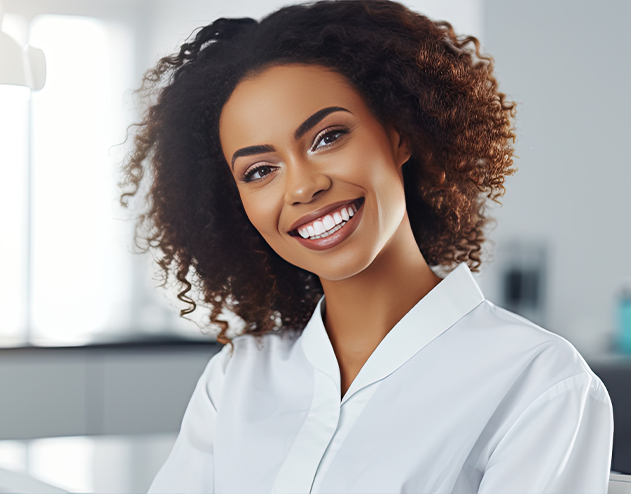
(97, 366)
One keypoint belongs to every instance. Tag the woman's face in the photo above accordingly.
(319, 176)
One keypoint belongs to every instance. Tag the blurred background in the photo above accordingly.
(96, 366)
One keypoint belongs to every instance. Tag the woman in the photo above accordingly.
(348, 149)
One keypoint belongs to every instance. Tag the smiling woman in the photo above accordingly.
(309, 173)
(340, 159)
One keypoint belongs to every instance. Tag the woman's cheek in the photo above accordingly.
(261, 214)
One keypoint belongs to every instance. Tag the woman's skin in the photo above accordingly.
(288, 165)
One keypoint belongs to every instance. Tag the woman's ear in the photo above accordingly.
(405, 150)
(400, 146)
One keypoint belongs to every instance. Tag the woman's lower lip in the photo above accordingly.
(335, 238)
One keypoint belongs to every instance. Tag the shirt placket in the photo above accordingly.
(299, 469)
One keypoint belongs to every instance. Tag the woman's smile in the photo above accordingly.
(319, 176)
(330, 229)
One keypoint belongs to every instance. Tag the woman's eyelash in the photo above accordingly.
(248, 176)
(335, 133)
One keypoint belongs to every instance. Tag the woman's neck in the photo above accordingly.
(360, 311)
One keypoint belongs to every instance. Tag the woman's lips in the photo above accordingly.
(336, 233)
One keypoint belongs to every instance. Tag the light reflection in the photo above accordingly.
(97, 464)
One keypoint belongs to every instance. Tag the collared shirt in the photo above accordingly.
(459, 397)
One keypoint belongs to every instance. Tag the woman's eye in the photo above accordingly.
(257, 173)
(327, 138)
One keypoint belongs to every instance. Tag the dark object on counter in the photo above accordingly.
(616, 376)
(522, 278)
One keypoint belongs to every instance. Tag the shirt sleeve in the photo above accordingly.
(190, 466)
(561, 443)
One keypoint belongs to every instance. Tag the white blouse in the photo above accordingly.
(460, 397)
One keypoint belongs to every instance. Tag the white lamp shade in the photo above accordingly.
(36, 67)
(12, 67)
(21, 66)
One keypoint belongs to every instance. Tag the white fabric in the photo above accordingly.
(460, 397)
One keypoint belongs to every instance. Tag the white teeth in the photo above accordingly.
(326, 234)
(318, 227)
(328, 222)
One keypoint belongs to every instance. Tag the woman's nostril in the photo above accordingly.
(305, 193)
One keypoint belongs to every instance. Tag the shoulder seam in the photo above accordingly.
(593, 379)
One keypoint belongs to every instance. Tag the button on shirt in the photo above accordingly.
(459, 397)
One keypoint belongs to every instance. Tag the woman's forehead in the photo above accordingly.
(282, 97)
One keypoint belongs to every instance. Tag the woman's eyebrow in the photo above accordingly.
(302, 129)
(314, 119)
(250, 150)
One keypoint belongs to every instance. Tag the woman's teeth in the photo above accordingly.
(328, 224)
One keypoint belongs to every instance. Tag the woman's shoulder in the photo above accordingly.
(278, 343)
(276, 346)
(504, 340)
(512, 332)
(249, 360)
(536, 387)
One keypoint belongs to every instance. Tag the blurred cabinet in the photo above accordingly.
(118, 389)
(615, 373)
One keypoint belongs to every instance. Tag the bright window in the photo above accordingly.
(69, 275)
(13, 213)
(79, 267)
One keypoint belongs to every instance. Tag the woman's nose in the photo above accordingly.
(304, 182)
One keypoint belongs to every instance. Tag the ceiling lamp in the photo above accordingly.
(20, 66)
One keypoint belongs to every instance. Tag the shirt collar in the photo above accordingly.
(453, 298)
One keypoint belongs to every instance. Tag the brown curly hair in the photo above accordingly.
(434, 87)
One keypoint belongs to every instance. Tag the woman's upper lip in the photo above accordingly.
(319, 212)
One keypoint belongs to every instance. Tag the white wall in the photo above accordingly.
(568, 65)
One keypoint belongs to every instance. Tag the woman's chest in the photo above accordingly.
(417, 430)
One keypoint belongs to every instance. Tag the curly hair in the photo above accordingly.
(434, 87)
